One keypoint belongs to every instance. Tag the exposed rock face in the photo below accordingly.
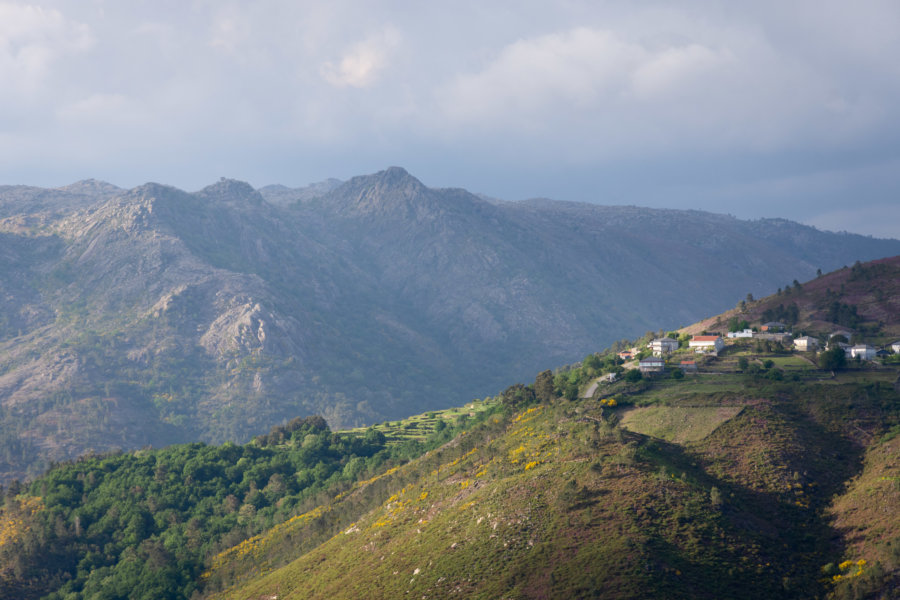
(151, 315)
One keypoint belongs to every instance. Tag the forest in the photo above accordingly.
(142, 524)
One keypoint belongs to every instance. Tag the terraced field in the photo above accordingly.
(677, 423)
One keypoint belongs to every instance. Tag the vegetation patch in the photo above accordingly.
(677, 423)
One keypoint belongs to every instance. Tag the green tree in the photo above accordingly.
(374, 437)
(543, 386)
(833, 359)
(592, 361)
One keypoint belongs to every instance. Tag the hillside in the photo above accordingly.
(760, 476)
(551, 503)
(862, 300)
(750, 485)
(151, 316)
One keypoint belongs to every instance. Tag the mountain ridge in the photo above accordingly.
(217, 313)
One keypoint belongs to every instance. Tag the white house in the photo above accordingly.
(863, 352)
(652, 365)
(896, 347)
(663, 346)
(747, 333)
(707, 343)
(806, 344)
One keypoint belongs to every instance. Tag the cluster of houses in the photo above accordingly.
(776, 331)
(713, 344)
(701, 344)
(860, 351)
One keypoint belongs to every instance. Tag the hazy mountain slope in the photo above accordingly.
(145, 316)
(497, 276)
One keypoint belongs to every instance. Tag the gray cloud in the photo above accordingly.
(753, 108)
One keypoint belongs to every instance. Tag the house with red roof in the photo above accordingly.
(707, 343)
(689, 366)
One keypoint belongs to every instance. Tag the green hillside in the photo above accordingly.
(554, 500)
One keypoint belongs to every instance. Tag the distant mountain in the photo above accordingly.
(152, 315)
(280, 194)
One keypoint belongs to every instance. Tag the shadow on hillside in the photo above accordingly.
(769, 498)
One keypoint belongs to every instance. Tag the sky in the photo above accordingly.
(755, 108)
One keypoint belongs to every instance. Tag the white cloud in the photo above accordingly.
(664, 84)
(31, 40)
(528, 77)
(362, 64)
(603, 91)
(675, 67)
(229, 30)
(103, 108)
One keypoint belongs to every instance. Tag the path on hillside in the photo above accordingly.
(589, 393)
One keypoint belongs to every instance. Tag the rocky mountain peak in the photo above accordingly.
(396, 176)
(93, 187)
(231, 190)
(394, 181)
(395, 193)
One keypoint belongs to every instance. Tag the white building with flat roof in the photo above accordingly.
(806, 344)
(661, 346)
(863, 352)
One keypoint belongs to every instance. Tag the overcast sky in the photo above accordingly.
(753, 108)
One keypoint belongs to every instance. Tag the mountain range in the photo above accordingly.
(152, 315)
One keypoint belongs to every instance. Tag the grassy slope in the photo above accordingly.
(553, 503)
(678, 423)
(866, 518)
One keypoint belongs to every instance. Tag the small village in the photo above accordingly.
(689, 353)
